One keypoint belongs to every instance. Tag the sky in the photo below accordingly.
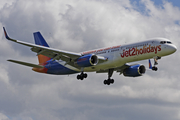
(83, 25)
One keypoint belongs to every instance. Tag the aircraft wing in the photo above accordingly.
(50, 52)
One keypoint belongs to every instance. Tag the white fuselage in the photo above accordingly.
(122, 54)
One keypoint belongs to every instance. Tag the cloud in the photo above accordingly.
(3, 117)
(83, 25)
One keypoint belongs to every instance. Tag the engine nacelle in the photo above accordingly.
(134, 71)
(87, 60)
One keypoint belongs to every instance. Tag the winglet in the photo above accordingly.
(6, 35)
(150, 65)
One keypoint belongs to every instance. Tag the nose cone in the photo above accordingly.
(173, 48)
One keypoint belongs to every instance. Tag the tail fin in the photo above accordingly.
(150, 65)
(39, 40)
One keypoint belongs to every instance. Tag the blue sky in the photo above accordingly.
(141, 7)
(160, 2)
(174, 2)
(83, 25)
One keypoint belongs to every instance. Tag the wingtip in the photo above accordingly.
(6, 35)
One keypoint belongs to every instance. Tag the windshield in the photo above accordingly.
(164, 42)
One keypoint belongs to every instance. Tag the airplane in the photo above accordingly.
(103, 60)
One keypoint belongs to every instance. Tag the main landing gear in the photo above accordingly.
(109, 80)
(154, 68)
(81, 76)
(106, 82)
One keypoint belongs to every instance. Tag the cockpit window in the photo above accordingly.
(163, 42)
(169, 42)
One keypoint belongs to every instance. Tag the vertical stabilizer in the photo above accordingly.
(39, 40)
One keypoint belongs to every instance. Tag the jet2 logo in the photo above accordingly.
(144, 50)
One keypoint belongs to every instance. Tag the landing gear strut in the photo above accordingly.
(82, 76)
(109, 80)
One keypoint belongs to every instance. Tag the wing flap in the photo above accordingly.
(26, 64)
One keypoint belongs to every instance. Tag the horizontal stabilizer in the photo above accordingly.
(26, 64)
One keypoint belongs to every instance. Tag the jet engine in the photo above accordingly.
(134, 71)
(87, 60)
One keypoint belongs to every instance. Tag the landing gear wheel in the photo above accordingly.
(112, 81)
(105, 82)
(109, 81)
(81, 76)
(85, 75)
(78, 77)
(154, 68)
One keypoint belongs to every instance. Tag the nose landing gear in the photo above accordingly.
(154, 68)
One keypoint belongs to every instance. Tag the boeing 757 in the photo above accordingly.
(103, 60)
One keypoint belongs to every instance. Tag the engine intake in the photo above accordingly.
(135, 71)
(87, 60)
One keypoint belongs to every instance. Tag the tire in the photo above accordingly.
(112, 81)
(105, 82)
(81, 78)
(156, 68)
(85, 75)
(78, 77)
